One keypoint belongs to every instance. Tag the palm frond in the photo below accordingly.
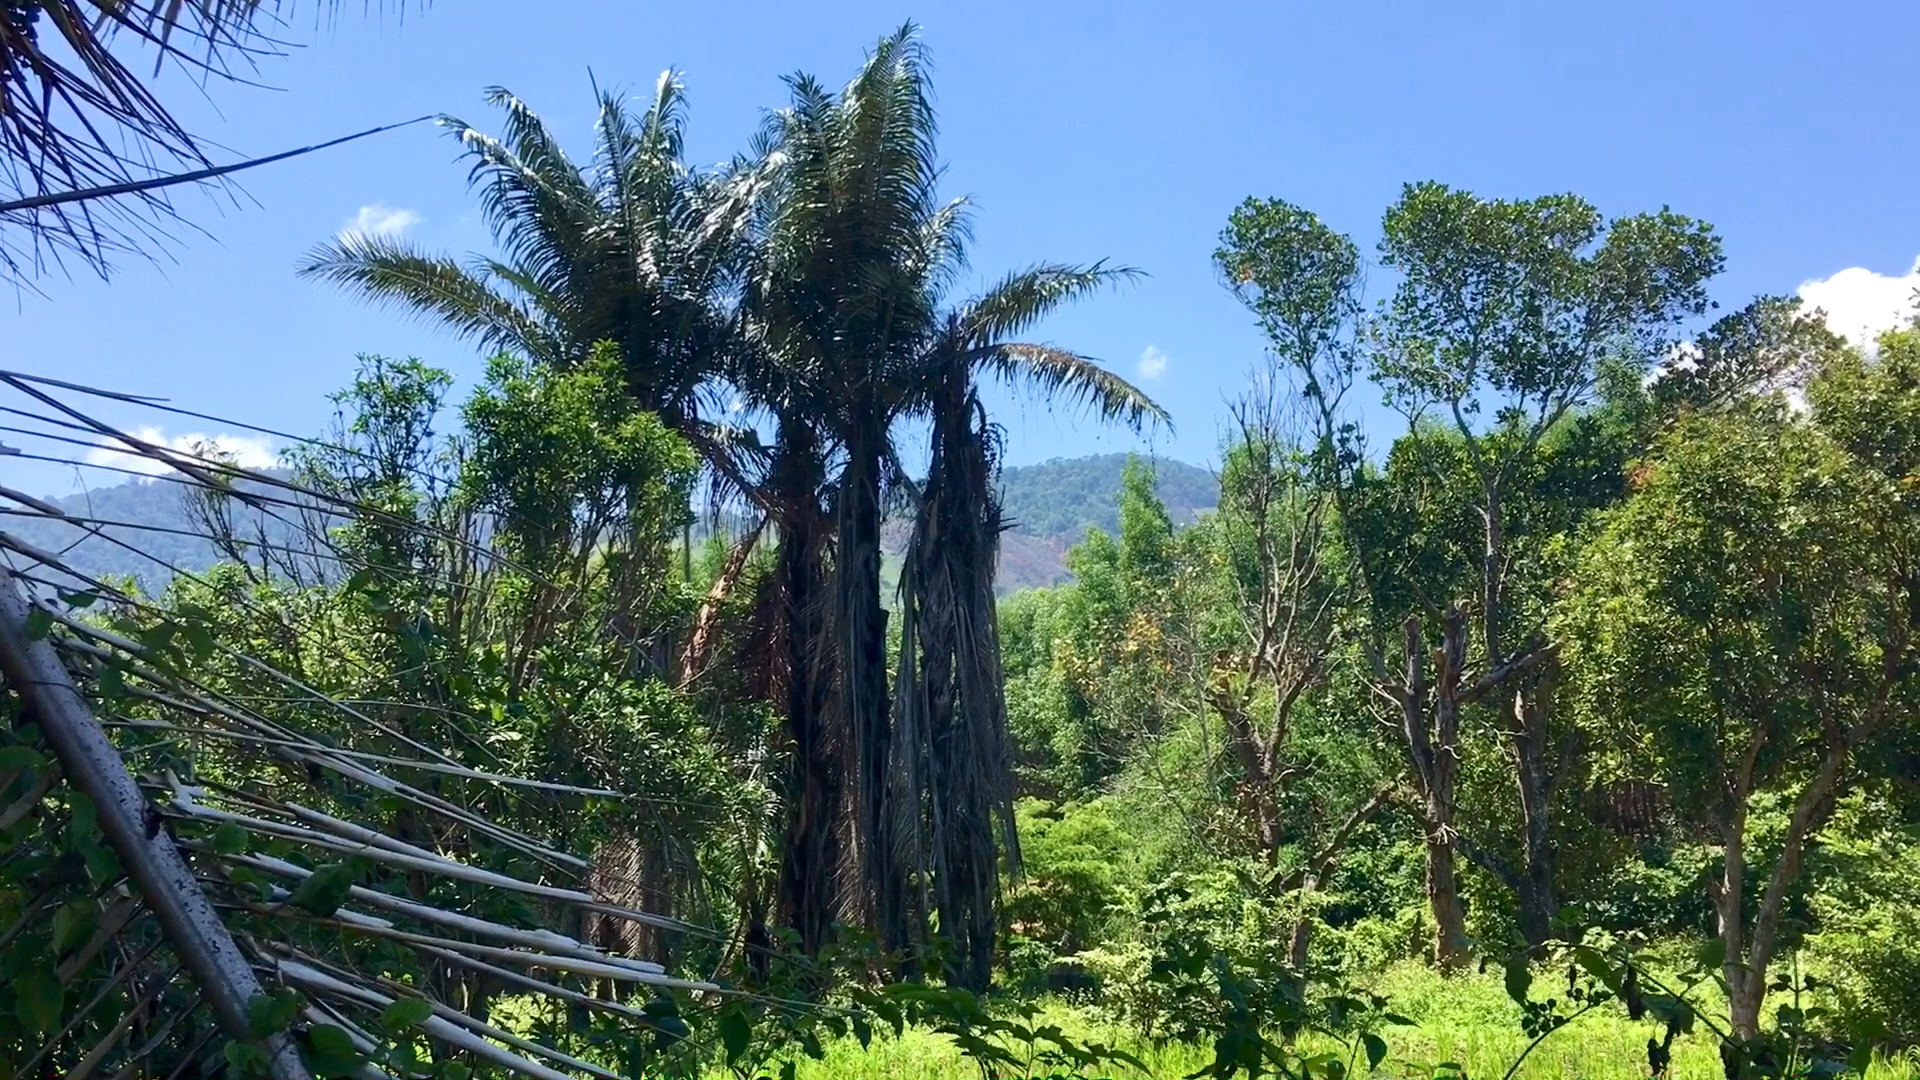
(392, 272)
(1055, 372)
(74, 115)
(1022, 299)
(533, 196)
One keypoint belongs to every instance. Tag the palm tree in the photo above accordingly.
(853, 256)
(954, 760)
(635, 249)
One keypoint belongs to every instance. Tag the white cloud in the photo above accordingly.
(1153, 363)
(246, 451)
(379, 220)
(1861, 304)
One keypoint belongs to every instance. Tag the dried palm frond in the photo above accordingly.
(207, 864)
(953, 756)
(75, 116)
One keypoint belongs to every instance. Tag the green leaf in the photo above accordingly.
(21, 757)
(862, 1030)
(735, 1034)
(38, 999)
(325, 890)
(39, 624)
(85, 837)
(245, 1059)
(79, 601)
(1596, 965)
(1518, 978)
(406, 1013)
(111, 683)
(230, 839)
(1376, 1049)
(330, 1051)
(1712, 955)
(73, 924)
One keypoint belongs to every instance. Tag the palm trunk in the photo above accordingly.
(862, 632)
(970, 750)
(809, 900)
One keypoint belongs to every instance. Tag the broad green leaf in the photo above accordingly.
(1519, 979)
(230, 839)
(245, 1059)
(330, 1052)
(1376, 1049)
(38, 998)
(21, 757)
(325, 890)
(1712, 955)
(406, 1013)
(1596, 965)
(72, 924)
(735, 1034)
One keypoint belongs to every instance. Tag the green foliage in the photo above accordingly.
(1061, 500)
(1070, 889)
(559, 456)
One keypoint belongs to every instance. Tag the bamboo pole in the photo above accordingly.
(155, 866)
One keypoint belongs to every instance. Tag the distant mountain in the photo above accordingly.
(1052, 506)
(146, 529)
(150, 527)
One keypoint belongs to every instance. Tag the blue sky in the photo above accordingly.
(1118, 130)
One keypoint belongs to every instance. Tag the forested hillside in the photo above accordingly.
(147, 528)
(1567, 727)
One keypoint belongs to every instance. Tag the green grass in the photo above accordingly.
(1467, 1020)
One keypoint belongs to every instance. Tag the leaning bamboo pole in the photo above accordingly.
(166, 884)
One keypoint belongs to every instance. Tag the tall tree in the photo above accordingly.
(854, 254)
(1507, 318)
(634, 248)
(1743, 627)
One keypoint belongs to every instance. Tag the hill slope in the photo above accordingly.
(1050, 505)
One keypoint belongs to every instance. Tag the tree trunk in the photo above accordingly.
(1301, 944)
(809, 900)
(693, 660)
(1538, 901)
(1443, 898)
(861, 629)
(1432, 749)
(1743, 992)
